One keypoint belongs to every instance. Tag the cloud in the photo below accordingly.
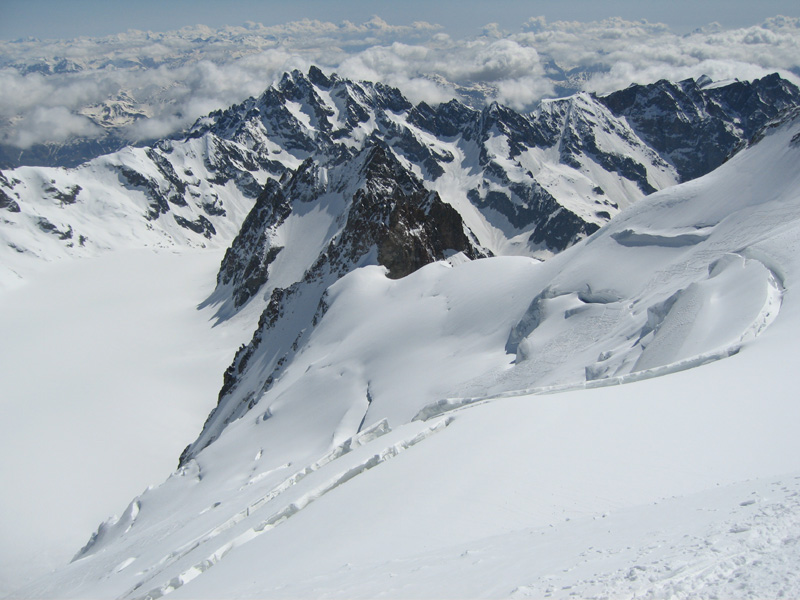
(523, 92)
(176, 77)
(621, 52)
(56, 124)
(504, 63)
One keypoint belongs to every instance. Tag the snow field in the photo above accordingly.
(109, 353)
(660, 459)
(328, 486)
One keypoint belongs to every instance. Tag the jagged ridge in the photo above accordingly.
(388, 218)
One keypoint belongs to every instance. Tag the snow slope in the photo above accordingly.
(413, 447)
(656, 488)
(108, 353)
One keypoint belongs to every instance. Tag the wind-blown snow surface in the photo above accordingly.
(355, 475)
(107, 371)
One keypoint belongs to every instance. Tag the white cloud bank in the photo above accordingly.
(46, 87)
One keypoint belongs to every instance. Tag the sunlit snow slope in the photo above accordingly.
(410, 447)
(111, 372)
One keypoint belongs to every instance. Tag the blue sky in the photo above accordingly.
(67, 19)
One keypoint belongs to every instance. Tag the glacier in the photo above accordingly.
(505, 426)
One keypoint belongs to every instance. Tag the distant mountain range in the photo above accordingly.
(521, 183)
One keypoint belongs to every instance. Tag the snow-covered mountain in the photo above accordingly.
(110, 117)
(508, 166)
(523, 184)
(408, 442)
(307, 234)
(580, 126)
(353, 221)
(711, 119)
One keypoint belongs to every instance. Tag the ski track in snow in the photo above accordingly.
(738, 541)
(746, 550)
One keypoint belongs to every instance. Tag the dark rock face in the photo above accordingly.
(521, 132)
(410, 226)
(562, 229)
(201, 225)
(245, 265)
(697, 128)
(448, 120)
(48, 227)
(177, 187)
(8, 203)
(158, 200)
(68, 196)
(414, 238)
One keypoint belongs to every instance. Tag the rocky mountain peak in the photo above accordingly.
(449, 119)
(318, 78)
(385, 217)
(528, 183)
(697, 127)
(410, 226)
(382, 172)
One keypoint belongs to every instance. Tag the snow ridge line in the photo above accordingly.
(280, 516)
(768, 313)
(371, 433)
(446, 405)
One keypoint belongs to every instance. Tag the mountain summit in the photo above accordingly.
(522, 183)
(319, 225)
